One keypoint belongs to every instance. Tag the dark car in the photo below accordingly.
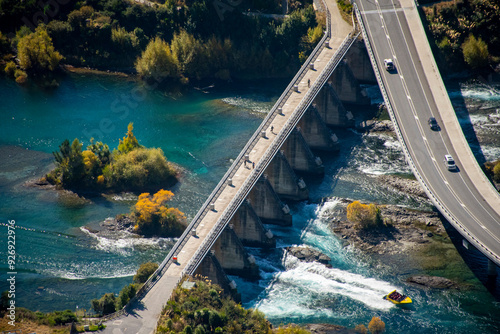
(433, 124)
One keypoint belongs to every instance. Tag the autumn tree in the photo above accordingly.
(157, 61)
(376, 326)
(364, 215)
(36, 52)
(154, 217)
(129, 142)
(475, 52)
(361, 329)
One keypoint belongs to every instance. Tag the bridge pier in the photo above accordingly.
(347, 87)
(284, 180)
(211, 268)
(268, 205)
(359, 62)
(492, 269)
(249, 228)
(233, 256)
(300, 156)
(316, 133)
(331, 109)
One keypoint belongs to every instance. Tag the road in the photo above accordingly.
(416, 92)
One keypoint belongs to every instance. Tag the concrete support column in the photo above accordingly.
(268, 205)
(233, 257)
(211, 268)
(492, 269)
(316, 133)
(359, 62)
(347, 87)
(331, 109)
(249, 228)
(284, 180)
(300, 156)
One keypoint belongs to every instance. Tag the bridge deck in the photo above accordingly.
(414, 91)
(146, 311)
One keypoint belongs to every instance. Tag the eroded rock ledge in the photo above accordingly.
(309, 255)
(434, 282)
(406, 230)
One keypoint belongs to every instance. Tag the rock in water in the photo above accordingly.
(434, 282)
(309, 255)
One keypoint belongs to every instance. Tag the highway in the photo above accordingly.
(462, 196)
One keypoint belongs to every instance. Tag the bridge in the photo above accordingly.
(250, 194)
(413, 92)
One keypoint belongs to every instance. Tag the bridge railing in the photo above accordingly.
(444, 211)
(268, 156)
(237, 163)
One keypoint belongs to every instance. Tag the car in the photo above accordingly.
(449, 162)
(433, 124)
(389, 65)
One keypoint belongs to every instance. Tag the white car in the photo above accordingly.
(389, 65)
(449, 162)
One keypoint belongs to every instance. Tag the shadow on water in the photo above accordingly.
(475, 260)
(463, 115)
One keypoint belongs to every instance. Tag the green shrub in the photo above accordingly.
(496, 172)
(10, 68)
(36, 52)
(144, 271)
(105, 305)
(475, 52)
(205, 309)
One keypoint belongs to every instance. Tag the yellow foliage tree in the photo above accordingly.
(154, 217)
(129, 142)
(36, 51)
(376, 326)
(364, 215)
(361, 329)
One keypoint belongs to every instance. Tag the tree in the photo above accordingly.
(129, 142)
(376, 326)
(144, 271)
(365, 215)
(36, 52)
(127, 293)
(361, 329)
(154, 217)
(105, 305)
(496, 172)
(70, 165)
(157, 61)
(475, 52)
(140, 169)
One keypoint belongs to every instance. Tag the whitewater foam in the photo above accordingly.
(127, 242)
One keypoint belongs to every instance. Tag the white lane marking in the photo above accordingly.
(444, 143)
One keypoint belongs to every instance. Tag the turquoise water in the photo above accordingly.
(61, 263)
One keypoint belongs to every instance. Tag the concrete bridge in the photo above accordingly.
(266, 173)
(268, 169)
(413, 92)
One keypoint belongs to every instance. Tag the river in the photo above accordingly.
(62, 265)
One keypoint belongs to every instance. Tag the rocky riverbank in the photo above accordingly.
(405, 230)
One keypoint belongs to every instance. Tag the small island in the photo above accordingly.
(131, 167)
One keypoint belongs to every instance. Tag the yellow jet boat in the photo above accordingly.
(398, 298)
